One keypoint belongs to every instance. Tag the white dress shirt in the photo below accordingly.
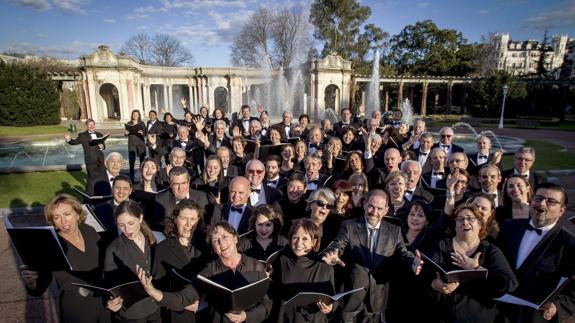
(235, 217)
(258, 199)
(529, 242)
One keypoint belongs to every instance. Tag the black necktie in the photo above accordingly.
(236, 209)
(532, 228)
(313, 182)
(482, 156)
(370, 239)
(438, 173)
(257, 190)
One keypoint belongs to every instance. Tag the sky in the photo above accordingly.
(71, 28)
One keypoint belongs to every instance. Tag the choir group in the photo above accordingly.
(412, 228)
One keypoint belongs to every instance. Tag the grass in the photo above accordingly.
(6, 131)
(33, 189)
(548, 156)
(566, 126)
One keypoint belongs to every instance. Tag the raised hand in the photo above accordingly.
(462, 260)
(236, 131)
(67, 137)
(199, 123)
(417, 263)
(497, 156)
(184, 102)
(332, 258)
(152, 139)
(452, 180)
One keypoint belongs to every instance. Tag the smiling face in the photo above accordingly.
(91, 126)
(220, 130)
(213, 169)
(178, 158)
(264, 227)
(256, 173)
(446, 136)
(264, 118)
(425, 144)
(65, 219)
(301, 242)
(149, 169)
(467, 226)
(295, 191)
(489, 178)
(121, 191)
(287, 153)
(224, 155)
(180, 185)
(272, 169)
(396, 188)
(129, 225)
(238, 147)
(275, 136)
(348, 137)
(375, 208)
(483, 145)
(547, 206)
(186, 222)
(341, 198)
(224, 243)
(484, 206)
(300, 148)
(320, 210)
(114, 165)
(355, 163)
(239, 191)
(416, 219)
(523, 162)
(517, 190)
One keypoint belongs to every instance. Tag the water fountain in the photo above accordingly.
(407, 112)
(465, 125)
(373, 103)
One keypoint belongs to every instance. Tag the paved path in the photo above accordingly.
(16, 306)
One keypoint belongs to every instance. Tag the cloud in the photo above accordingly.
(424, 4)
(563, 16)
(110, 21)
(70, 50)
(71, 6)
(35, 4)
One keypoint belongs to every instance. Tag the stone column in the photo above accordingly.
(337, 106)
(424, 99)
(147, 98)
(170, 99)
(363, 102)
(386, 101)
(400, 95)
(449, 96)
(165, 103)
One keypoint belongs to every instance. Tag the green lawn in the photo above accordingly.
(548, 156)
(31, 189)
(35, 130)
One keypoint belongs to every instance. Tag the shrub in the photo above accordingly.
(28, 96)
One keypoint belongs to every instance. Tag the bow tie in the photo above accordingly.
(257, 190)
(482, 156)
(313, 146)
(237, 209)
(112, 179)
(422, 154)
(438, 173)
(313, 182)
(245, 120)
(532, 228)
(445, 146)
(409, 192)
(273, 182)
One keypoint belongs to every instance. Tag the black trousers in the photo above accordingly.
(132, 161)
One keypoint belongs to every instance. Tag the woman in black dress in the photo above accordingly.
(517, 194)
(288, 166)
(299, 269)
(136, 132)
(264, 238)
(184, 252)
(131, 250)
(169, 134)
(300, 151)
(213, 175)
(470, 301)
(82, 246)
(349, 140)
(486, 207)
(233, 269)
(241, 157)
(320, 208)
(395, 185)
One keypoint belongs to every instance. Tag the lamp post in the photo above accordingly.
(505, 90)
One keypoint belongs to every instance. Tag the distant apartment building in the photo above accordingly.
(569, 63)
(521, 57)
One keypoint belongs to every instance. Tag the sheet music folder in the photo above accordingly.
(309, 298)
(38, 247)
(454, 276)
(100, 140)
(131, 292)
(508, 298)
(227, 300)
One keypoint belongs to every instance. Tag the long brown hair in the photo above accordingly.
(134, 209)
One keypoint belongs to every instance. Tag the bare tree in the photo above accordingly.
(139, 48)
(486, 60)
(253, 40)
(162, 50)
(280, 36)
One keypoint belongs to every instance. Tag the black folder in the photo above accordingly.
(271, 258)
(145, 196)
(455, 276)
(131, 292)
(93, 220)
(269, 150)
(134, 128)
(309, 298)
(206, 188)
(99, 140)
(225, 300)
(39, 247)
(92, 200)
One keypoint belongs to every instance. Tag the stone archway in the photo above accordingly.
(109, 93)
(221, 99)
(331, 98)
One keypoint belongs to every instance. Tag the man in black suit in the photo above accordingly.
(237, 211)
(374, 153)
(243, 124)
(435, 179)
(154, 129)
(370, 248)
(217, 139)
(168, 199)
(523, 162)
(285, 127)
(293, 204)
(424, 150)
(273, 177)
(540, 251)
(259, 193)
(377, 176)
(489, 179)
(345, 122)
(446, 142)
(177, 159)
(414, 190)
(315, 140)
(313, 178)
(101, 185)
(121, 190)
(230, 171)
(93, 153)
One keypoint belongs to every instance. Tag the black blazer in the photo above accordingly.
(366, 270)
(426, 167)
(222, 213)
(166, 203)
(281, 127)
(454, 148)
(272, 194)
(211, 150)
(533, 179)
(234, 171)
(99, 185)
(92, 153)
(538, 275)
(339, 126)
(238, 123)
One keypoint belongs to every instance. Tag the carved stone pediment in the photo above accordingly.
(332, 62)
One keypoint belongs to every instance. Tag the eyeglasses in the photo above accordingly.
(550, 201)
(323, 204)
(521, 159)
(255, 171)
(468, 219)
